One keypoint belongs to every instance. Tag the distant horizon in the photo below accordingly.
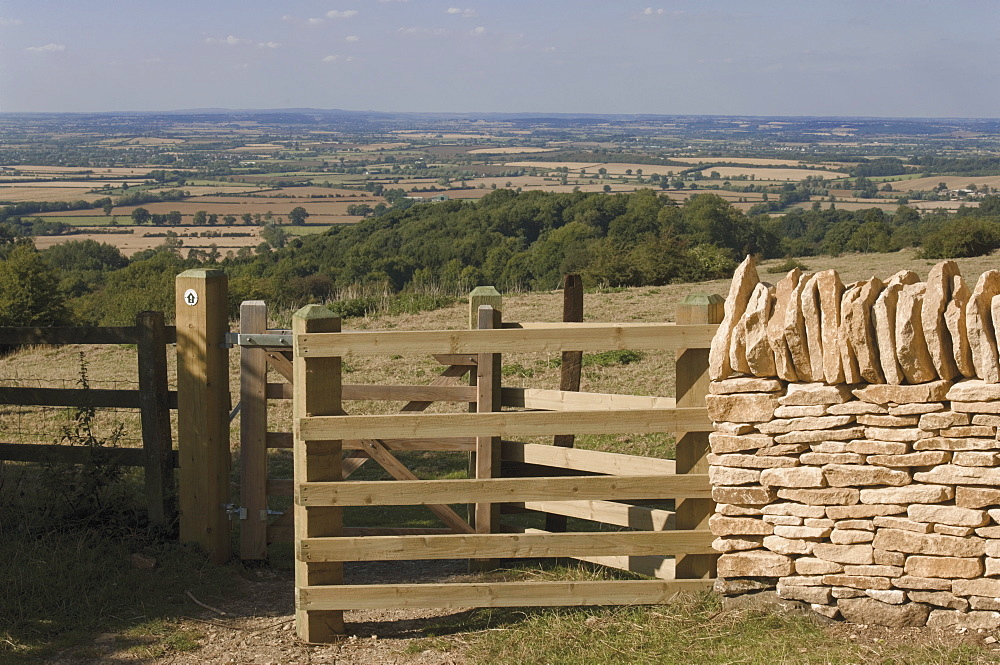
(308, 109)
(779, 58)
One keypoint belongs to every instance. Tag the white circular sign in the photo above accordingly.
(191, 297)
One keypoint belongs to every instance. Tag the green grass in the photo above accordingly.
(693, 630)
(68, 577)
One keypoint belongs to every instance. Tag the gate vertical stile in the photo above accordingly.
(692, 447)
(253, 435)
(317, 391)
(488, 377)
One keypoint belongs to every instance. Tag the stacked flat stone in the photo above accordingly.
(841, 481)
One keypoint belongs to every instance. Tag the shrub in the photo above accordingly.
(961, 238)
(788, 265)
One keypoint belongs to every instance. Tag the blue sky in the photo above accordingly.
(760, 57)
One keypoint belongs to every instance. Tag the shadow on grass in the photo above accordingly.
(67, 580)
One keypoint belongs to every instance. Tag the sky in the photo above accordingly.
(894, 58)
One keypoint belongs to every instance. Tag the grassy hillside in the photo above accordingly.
(74, 592)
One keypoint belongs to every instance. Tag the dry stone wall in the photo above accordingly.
(855, 461)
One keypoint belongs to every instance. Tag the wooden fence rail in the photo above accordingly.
(152, 398)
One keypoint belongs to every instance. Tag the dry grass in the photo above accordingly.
(793, 175)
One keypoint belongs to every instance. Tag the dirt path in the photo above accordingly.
(258, 627)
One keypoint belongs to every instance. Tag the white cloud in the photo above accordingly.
(315, 21)
(464, 13)
(347, 13)
(418, 30)
(9, 21)
(268, 44)
(478, 30)
(331, 58)
(352, 38)
(48, 48)
(649, 11)
(231, 40)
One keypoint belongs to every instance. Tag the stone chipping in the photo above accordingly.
(856, 468)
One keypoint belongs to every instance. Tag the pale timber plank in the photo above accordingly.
(499, 490)
(502, 594)
(506, 424)
(504, 545)
(593, 461)
(564, 400)
(608, 512)
(554, 337)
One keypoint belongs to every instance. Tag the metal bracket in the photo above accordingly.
(281, 338)
(232, 510)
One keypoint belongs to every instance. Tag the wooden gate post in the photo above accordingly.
(569, 374)
(253, 433)
(203, 410)
(154, 409)
(316, 391)
(692, 447)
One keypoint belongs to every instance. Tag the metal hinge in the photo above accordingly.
(278, 339)
(240, 512)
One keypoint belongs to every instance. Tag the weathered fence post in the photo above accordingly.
(569, 373)
(487, 515)
(154, 409)
(203, 410)
(692, 447)
(479, 296)
(316, 392)
(253, 433)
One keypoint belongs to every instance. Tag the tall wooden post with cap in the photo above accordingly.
(203, 410)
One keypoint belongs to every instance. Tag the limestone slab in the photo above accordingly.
(854, 408)
(755, 563)
(977, 497)
(923, 494)
(784, 298)
(846, 554)
(813, 394)
(815, 436)
(954, 444)
(925, 458)
(745, 384)
(936, 298)
(822, 497)
(931, 544)
(785, 425)
(758, 353)
(864, 511)
(932, 391)
(956, 321)
(939, 599)
(796, 509)
(848, 358)
(884, 321)
(922, 583)
(943, 419)
(744, 280)
(782, 545)
(869, 611)
(981, 326)
(737, 543)
(903, 523)
(861, 331)
(739, 526)
(830, 291)
(808, 565)
(851, 475)
(793, 477)
(721, 443)
(941, 566)
(974, 620)
(750, 461)
(741, 408)
(727, 475)
(743, 496)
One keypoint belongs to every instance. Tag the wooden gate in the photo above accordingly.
(322, 432)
